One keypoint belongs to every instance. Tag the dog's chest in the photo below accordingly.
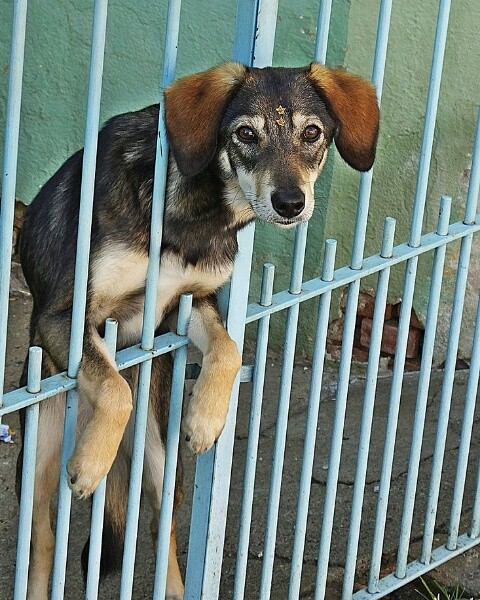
(117, 284)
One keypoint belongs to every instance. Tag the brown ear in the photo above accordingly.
(194, 106)
(353, 102)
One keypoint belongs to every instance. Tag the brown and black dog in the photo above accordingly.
(245, 143)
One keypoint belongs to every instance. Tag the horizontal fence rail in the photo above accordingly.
(214, 499)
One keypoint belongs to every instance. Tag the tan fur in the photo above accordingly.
(174, 588)
(110, 397)
(209, 404)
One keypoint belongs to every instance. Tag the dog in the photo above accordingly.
(245, 144)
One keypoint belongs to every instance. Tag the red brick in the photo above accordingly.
(360, 355)
(389, 312)
(415, 321)
(366, 332)
(414, 342)
(366, 305)
(389, 338)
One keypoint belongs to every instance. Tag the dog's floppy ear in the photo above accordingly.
(353, 102)
(194, 106)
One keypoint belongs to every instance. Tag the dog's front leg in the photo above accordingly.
(209, 404)
(109, 394)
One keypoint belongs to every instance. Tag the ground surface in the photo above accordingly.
(464, 570)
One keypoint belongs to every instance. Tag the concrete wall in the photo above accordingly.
(53, 110)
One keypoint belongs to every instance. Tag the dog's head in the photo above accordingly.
(267, 131)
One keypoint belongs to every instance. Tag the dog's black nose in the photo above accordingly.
(288, 203)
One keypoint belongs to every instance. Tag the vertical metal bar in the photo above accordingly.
(7, 205)
(312, 421)
(160, 178)
(149, 317)
(171, 41)
(245, 31)
(265, 38)
(253, 434)
(221, 471)
(470, 211)
(34, 375)
(367, 412)
(323, 27)
(429, 126)
(282, 417)
(80, 285)
(202, 492)
(98, 501)
(474, 183)
(475, 524)
(392, 420)
(28, 476)
(446, 396)
(466, 436)
(136, 470)
(278, 452)
(336, 439)
(422, 392)
(171, 451)
(379, 60)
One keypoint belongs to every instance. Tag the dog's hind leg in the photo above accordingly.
(115, 517)
(109, 394)
(47, 472)
(154, 467)
(116, 498)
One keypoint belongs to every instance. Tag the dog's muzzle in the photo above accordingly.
(288, 203)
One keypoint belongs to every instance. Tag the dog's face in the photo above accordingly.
(274, 138)
(267, 132)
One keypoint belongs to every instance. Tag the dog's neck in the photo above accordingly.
(200, 224)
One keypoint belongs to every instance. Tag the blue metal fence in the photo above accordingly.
(254, 44)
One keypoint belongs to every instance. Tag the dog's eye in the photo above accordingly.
(246, 134)
(311, 133)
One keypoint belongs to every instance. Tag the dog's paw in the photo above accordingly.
(84, 476)
(201, 431)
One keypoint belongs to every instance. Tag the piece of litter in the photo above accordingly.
(5, 433)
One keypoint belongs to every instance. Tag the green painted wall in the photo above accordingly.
(57, 55)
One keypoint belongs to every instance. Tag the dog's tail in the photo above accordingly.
(115, 517)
